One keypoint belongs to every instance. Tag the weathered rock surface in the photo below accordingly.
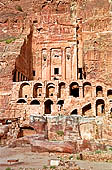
(3, 130)
(53, 146)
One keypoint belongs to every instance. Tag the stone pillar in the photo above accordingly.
(94, 91)
(81, 92)
(54, 108)
(16, 76)
(79, 110)
(42, 107)
(63, 64)
(49, 64)
(32, 85)
(93, 105)
(74, 62)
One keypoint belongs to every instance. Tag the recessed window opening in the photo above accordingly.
(35, 21)
(74, 89)
(80, 73)
(33, 72)
(51, 94)
(74, 112)
(56, 78)
(68, 56)
(44, 59)
(102, 109)
(14, 77)
(56, 70)
(21, 101)
(25, 96)
(56, 56)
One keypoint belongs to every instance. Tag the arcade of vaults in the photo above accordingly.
(61, 64)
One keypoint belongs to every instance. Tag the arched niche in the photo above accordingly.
(99, 91)
(61, 90)
(100, 107)
(74, 89)
(21, 101)
(109, 94)
(47, 106)
(87, 89)
(86, 110)
(37, 90)
(60, 104)
(50, 89)
(74, 112)
(35, 102)
(24, 91)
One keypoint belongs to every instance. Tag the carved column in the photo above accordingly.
(63, 64)
(49, 64)
(74, 62)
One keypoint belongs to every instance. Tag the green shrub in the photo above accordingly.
(8, 168)
(45, 167)
(52, 167)
(70, 157)
(60, 133)
(78, 157)
(8, 41)
(97, 152)
(110, 149)
(19, 8)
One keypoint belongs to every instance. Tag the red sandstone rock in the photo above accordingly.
(69, 41)
(53, 146)
(3, 130)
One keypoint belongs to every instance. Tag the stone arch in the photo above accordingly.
(87, 89)
(47, 106)
(50, 89)
(35, 102)
(37, 90)
(26, 131)
(24, 91)
(74, 89)
(100, 107)
(60, 104)
(21, 101)
(61, 90)
(74, 112)
(99, 91)
(86, 110)
(109, 94)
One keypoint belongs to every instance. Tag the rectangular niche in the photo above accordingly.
(56, 63)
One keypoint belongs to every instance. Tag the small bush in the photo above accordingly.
(8, 41)
(19, 8)
(110, 149)
(97, 152)
(70, 157)
(52, 167)
(8, 168)
(60, 133)
(45, 167)
(78, 157)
